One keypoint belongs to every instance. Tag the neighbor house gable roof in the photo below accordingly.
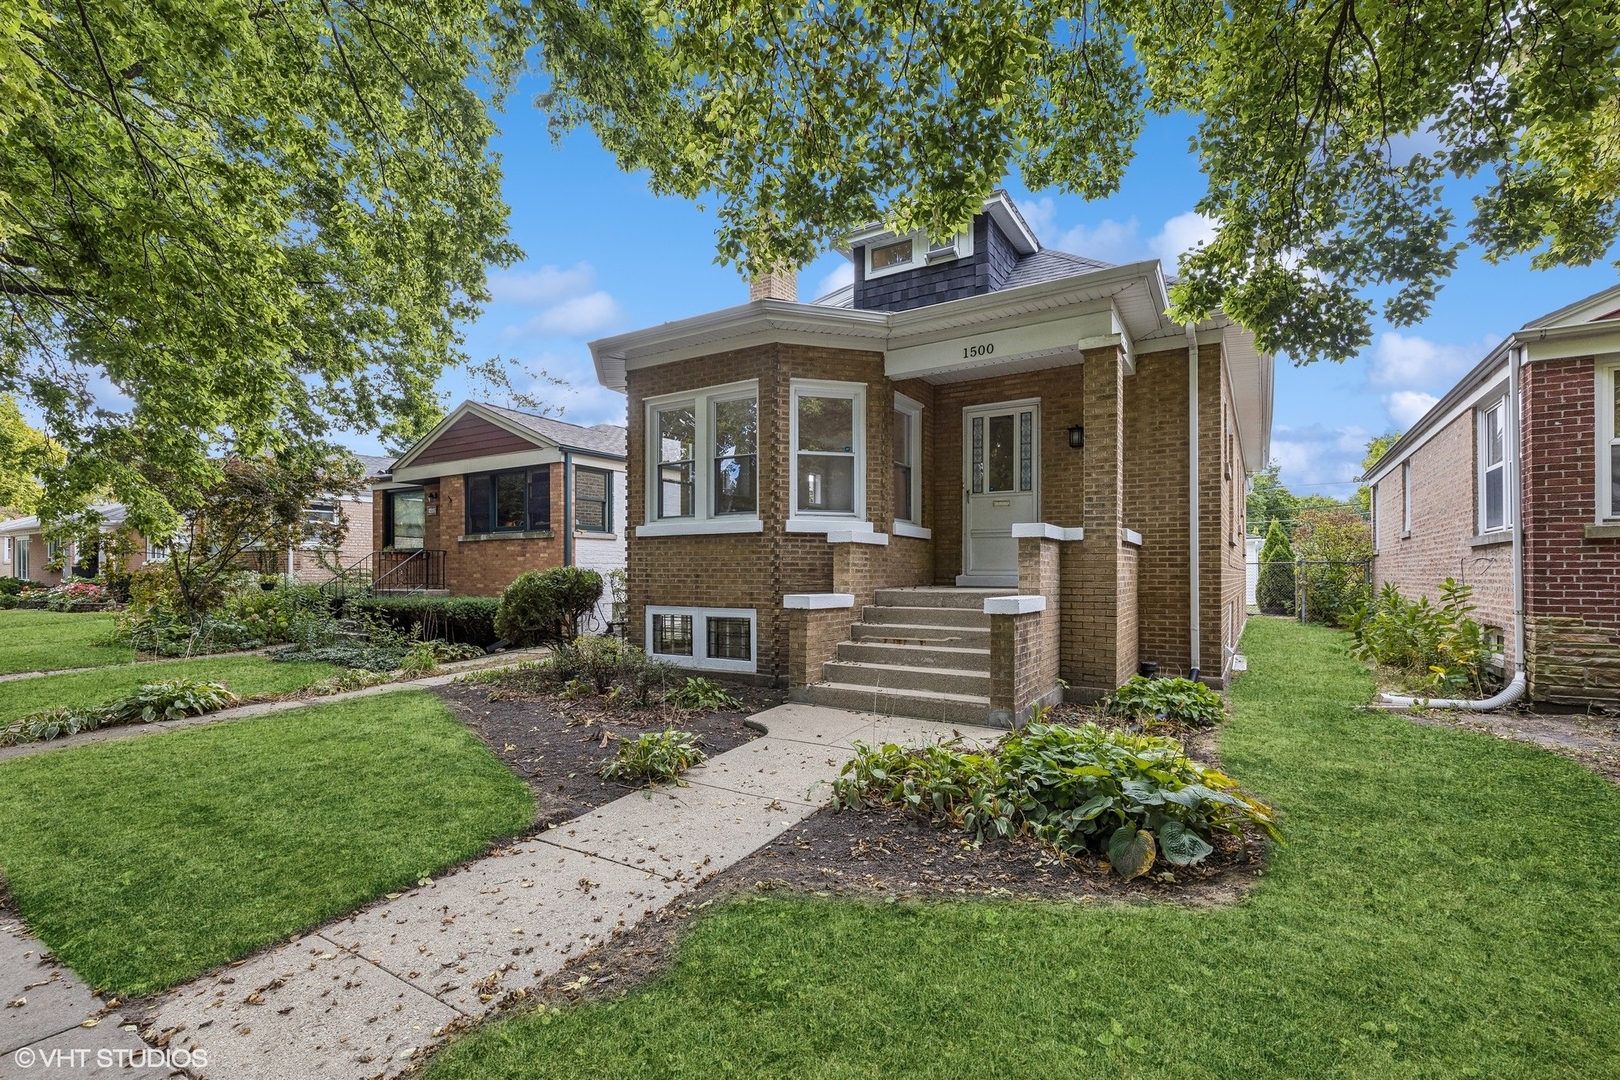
(541, 432)
(112, 516)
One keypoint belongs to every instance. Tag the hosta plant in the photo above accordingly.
(656, 757)
(701, 694)
(1176, 701)
(1131, 798)
(150, 702)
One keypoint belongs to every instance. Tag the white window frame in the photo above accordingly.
(703, 519)
(6, 545)
(1608, 376)
(922, 253)
(1406, 499)
(700, 658)
(1481, 426)
(1372, 514)
(912, 526)
(821, 520)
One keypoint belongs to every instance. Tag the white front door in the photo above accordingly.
(1001, 487)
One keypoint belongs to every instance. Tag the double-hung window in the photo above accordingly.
(829, 450)
(593, 500)
(1406, 498)
(703, 461)
(511, 501)
(907, 460)
(1608, 426)
(1493, 467)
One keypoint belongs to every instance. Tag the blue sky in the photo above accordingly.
(604, 255)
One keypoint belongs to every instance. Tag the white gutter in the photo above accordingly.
(1192, 500)
(1515, 688)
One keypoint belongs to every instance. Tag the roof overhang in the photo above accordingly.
(1048, 324)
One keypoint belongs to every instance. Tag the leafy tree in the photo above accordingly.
(253, 505)
(1377, 447)
(1327, 129)
(1268, 499)
(257, 222)
(1334, 548)
(1275, 590)
(24, 454)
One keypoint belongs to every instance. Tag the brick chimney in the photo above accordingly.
(775, 285)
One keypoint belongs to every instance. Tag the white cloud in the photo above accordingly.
(578, 317)
(1320, 460)
(1409, 360)
(1406, 407)
(1181, 234)
(1040, 215)
(546, 285)
(1108, 240)
(843, 274)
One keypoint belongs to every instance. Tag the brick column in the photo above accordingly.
(1099, 604)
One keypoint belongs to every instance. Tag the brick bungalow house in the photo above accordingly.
(25, 553)
(1511, 483)
(491, 492)
(984, 472)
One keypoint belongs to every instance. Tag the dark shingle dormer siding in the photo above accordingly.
(984, 271)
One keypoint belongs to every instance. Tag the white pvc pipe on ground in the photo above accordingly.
(1510, 693)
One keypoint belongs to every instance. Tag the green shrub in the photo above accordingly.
(1131, 798)
(701, 694)
(8, 601)
(545, 606)
(463, 619)
(654, 756)
(1274, 592)
(1442, 646)
(1335, 550)
(599, 660)
(10, 586)
(1178, 701)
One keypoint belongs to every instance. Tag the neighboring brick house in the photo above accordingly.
(1456, 497)
(950, 489)
(26, 554)
(491, 492)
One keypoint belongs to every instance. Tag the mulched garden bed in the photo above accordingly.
(889, 855)
(559, 746)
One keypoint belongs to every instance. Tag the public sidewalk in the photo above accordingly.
(361, 996)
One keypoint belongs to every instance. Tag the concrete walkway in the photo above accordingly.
(447, 673)
(360, 997)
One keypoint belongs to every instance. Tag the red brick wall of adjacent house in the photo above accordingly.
(1571, 582)
(1445, 517)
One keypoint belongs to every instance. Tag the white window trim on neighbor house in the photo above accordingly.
(922, 253)
(811, 521)
(1406, 499)
(702, 520)
(1481, 427)
(912, 526)
(1608, 386)
(700, 657)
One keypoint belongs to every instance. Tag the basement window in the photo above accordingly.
(713, 639)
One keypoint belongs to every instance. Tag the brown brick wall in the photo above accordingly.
(1571, 583)
(1444, 518)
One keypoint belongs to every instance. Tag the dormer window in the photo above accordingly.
(913, 252)
(893, 256)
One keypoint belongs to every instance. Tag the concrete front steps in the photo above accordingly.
(919, 652)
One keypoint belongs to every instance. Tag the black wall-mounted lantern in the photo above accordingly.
(1077, 437)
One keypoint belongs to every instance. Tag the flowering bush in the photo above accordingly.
(62, 597)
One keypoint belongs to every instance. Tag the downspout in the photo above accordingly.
(1515, 688)
(568, 507)
(1193, 628)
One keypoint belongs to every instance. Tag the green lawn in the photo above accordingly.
(1447, 907)
(32, 640)
(245, 676)
(145, 862)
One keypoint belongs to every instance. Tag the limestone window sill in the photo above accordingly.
(469, 538)
(906, 528)
(1501, 536)
(585, 534)
(1603, 532)
(701, 526)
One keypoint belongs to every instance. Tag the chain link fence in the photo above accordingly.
(1314, 590)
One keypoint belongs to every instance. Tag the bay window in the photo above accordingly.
(829, 452)
(703, 461)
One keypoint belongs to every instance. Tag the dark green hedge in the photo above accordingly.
(10, 586)
(469, 619)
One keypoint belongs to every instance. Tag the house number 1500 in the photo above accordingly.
(972, 351)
